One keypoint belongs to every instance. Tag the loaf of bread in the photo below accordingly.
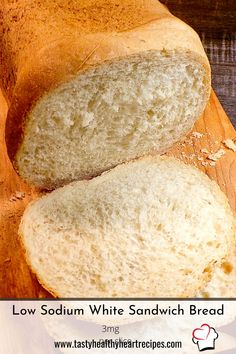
(94, 83)
(154, 227)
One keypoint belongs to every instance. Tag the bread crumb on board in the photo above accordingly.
(197, 135)
(206, 156)
(216, 155)
(17, 196)
(229, 143)
(205, 151)
(189, 140)
(204, 163)
(212, 163)
(207, 163)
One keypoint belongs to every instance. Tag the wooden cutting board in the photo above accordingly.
(16, 280)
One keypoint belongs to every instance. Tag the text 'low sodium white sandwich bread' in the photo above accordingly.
(94, 83)
(154, 227)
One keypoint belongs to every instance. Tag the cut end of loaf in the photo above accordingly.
(129, 231)
(109, 114)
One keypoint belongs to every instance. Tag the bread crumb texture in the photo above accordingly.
(110, 114)
(154, 227)
(223, 281)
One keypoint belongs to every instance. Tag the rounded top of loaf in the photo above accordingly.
(129, 231)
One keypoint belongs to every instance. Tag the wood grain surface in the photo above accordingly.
(215, 22)
(16, 280)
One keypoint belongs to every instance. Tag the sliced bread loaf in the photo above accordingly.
(94, 83)
(154, 227)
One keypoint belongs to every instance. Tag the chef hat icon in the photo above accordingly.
(205, 337)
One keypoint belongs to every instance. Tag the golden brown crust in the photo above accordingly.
(40, 52)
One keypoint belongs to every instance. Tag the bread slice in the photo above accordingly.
(94, 83)
(154, 227)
